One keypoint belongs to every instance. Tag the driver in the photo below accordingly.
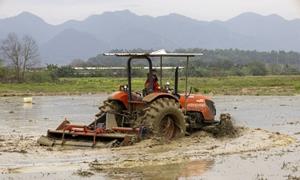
(156, 87)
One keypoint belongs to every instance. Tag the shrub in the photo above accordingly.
(40, 77)
(257, 69)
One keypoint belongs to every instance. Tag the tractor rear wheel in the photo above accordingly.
(164, 119)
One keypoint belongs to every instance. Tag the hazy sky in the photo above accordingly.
(58, 11)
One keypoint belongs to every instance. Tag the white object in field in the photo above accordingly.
(27, 99)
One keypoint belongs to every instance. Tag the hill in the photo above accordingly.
(126, 30)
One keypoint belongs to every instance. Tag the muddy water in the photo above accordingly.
(277, 114)
(45, 112)
(256, 154)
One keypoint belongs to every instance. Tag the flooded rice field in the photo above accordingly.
(268, 146)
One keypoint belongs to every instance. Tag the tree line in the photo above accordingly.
(218, 62)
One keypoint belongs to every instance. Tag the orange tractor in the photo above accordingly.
(155, 111)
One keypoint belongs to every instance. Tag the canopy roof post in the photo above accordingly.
(186, 83)
(161, 72)
(129, 68)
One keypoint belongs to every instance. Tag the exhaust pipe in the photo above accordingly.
(176, 81)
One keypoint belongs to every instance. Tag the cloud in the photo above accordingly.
(297, 3)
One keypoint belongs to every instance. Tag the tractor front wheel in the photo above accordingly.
(114, 106)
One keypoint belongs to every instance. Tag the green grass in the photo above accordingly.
(248, 85)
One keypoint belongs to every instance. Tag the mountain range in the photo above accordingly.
(59, 44)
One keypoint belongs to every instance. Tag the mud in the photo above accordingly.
(255, 153)
(225, 128)
(181, 156)
(172, 160)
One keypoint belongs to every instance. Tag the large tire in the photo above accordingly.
(163, 118)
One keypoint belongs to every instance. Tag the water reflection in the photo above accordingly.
(187, 169)
(195, 168)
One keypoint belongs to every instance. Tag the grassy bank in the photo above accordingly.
(248, 85)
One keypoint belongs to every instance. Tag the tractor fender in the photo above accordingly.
(119, 96)
(153, 96)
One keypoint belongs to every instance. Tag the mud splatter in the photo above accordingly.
(83, 173)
